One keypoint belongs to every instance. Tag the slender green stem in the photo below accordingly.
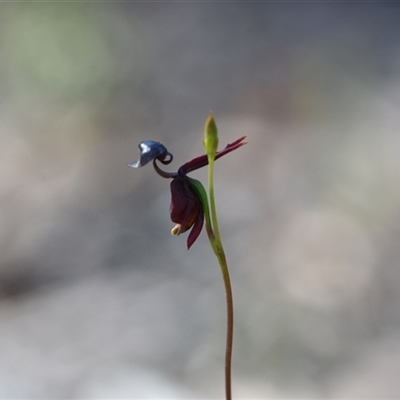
(216, 244)
(212, 200)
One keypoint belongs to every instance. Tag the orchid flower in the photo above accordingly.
(187, 198)
(191, 206)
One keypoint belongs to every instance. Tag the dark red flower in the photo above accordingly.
(186, 209)
(186, 205)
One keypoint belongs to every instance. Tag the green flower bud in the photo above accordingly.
(210, 137)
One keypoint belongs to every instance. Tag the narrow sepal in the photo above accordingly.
(202, 161)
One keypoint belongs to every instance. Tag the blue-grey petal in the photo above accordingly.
(149, 151)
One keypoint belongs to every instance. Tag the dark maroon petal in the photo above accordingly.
(202, 161)
(179, 201)
(185, 205)
(197, 227)
(186, 208)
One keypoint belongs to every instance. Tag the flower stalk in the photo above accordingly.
(210, 146)
(191, 207)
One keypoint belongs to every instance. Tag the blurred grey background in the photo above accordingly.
(97, 299)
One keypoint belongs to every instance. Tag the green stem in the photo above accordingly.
(216, 244)
(212, 200)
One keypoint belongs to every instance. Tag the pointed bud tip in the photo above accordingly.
(210, 136)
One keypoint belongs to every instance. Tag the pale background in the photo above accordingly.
(98, 300)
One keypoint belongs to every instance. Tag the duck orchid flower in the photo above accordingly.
(188, 204)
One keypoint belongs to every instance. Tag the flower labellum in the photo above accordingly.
(149, 151)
